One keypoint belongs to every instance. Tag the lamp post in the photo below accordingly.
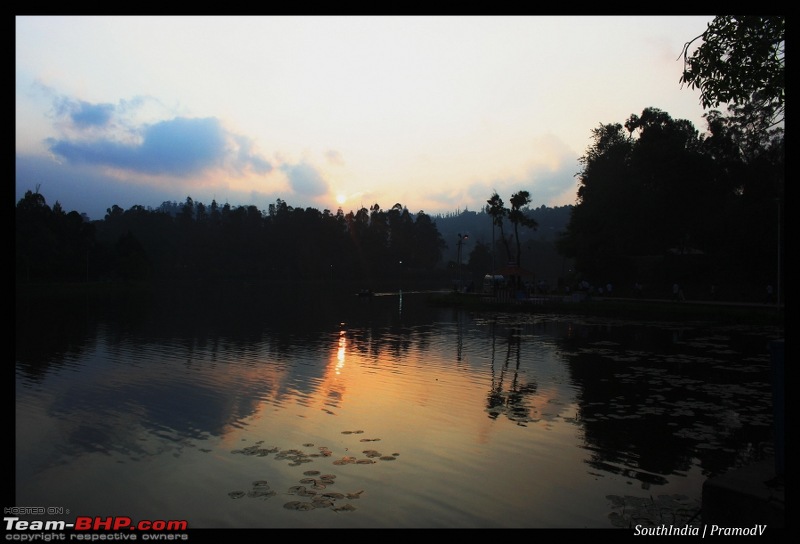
(461, 240)
(493, 265)
(778, 284)
(400, 289)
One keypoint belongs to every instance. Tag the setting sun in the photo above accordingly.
(340, 199)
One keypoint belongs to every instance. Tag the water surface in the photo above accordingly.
(226, 411)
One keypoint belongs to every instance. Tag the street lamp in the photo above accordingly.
(400, 289)
(461, 240)
(778, 284)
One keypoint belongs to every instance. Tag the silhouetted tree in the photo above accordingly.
(427, 243)
(516, 215)
(35, 239)
(131, 261)
(497, 210)
(659, 199)
(480, 260)
(741, 62)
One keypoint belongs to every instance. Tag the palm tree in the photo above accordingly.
(498, 213)
(518, 217)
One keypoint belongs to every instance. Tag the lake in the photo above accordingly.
(286, 408)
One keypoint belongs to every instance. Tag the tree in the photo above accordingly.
(741, 61)
(658, 201)
(480, 259)
(517, 217)
(35, 240)
(597, 228)
(497, 211)
(51, 244)
(132, 262)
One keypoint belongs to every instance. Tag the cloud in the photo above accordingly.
(555, 187)
(306, 180)
(106, 135)
(84, 114)
(246, 158)
(177, 147)
(549, 176)
(334, 157)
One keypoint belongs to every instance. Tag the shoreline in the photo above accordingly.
(626, 308)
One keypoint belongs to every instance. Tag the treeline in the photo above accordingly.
(659, 203)
(190, 240)
(223, 243)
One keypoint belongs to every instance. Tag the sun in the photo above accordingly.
(341, 199)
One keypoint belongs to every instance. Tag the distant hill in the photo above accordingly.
(538, 246)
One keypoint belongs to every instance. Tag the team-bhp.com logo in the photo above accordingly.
(151, 529)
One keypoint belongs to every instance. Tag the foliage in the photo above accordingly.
(497, 210)
(741, 61)
(193, 241)
(516, 216)
(660, 203)
(49, 242)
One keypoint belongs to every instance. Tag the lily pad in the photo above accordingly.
(333, 496)
(299, 505)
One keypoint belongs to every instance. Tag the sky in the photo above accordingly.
(435, 113)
